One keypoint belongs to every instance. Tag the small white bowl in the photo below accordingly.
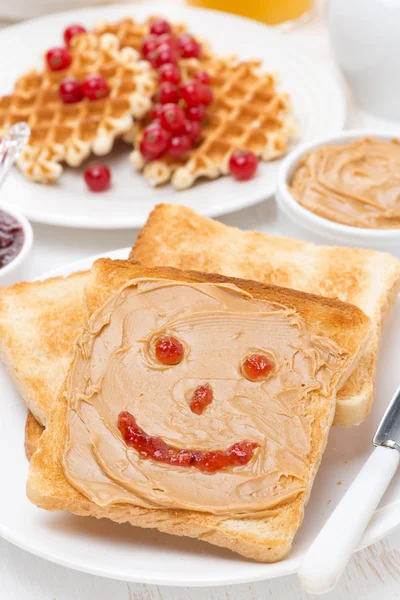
(351, 236)
(15, 270)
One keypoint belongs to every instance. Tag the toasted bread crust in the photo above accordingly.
(39, 322)
(175, 235)
(267, 539)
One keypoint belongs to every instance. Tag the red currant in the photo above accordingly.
(188, 46)
(70, 90)
(72, 31)
(169, 92)
(191, 93)
(196, 113)
(192, 129)
(203, 77)
(97, 177)
(159, 26)
(166, 38)
(95, 87)
(243, 165)
(162, 55)
(155, 140)
(206, 95)
(170, 73)
(172, 118)
(257, 366)
(169, 350)
(150, 43)
(156, 112)
(58, 59)
(179, 145)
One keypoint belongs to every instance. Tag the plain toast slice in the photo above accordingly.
(266, 539)
(39, 322)
(176, 236)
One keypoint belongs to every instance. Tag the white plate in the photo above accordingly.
(133, 554)
(317, 99)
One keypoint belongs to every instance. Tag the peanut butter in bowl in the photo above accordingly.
(355, 183)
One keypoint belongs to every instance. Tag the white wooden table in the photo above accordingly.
(371, 575)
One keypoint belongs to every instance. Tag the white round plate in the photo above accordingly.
(317, 99)
(132, 554)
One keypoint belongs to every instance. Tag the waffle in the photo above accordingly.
(130, 33)
(247, 113)
(70, 132)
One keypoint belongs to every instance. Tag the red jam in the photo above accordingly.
(156, 449)
(257, 366)
(169, 351)
(202, 397)
(11, 238)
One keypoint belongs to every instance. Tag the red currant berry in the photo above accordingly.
(150, 43)
(196, 113)
(203, 77)
(191, 93)
(70, 90)
(97, 177)
(206, 95)
(58, 59)
(192, 129)
(72, 31)
(95, 87)
(188, 46)
(162, 55)
(170, 73)
(179, 145)
(156, 112)
(169, 92)
(166, 38)
(243, 165)
(159, 26)
(155, 140)
(172, 118)
(169, 351)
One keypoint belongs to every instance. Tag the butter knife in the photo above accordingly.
(329, 554)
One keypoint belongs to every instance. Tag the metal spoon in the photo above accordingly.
(11, 146)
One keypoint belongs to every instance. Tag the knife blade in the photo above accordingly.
(388, 432)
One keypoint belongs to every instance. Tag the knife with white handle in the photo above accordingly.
(329, 554)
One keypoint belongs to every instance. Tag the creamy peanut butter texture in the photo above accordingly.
(357, 183)
(115, 369)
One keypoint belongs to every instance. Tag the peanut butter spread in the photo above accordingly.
(357, 183)
(115, 369)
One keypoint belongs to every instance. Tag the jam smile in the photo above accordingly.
(157, 449)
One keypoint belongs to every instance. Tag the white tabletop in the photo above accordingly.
(372, 574)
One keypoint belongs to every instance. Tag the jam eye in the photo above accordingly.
(257, 366)
(169, 350)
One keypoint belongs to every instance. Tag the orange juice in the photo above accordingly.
(271, 12)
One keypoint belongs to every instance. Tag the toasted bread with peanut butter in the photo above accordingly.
(316, 345)
(176, 236)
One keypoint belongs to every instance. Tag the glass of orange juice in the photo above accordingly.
(272, 12)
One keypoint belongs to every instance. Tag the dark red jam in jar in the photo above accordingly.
(11, 238)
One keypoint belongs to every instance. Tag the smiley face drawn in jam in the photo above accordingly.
(116, 370)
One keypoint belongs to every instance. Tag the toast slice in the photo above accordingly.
(266, 536)
(176, 236)
(39, 322)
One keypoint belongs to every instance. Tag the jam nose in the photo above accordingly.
(201, 398)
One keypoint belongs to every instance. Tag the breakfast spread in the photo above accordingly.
(188, 112)
(11, 238)
(123, 378)
(356, 183)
